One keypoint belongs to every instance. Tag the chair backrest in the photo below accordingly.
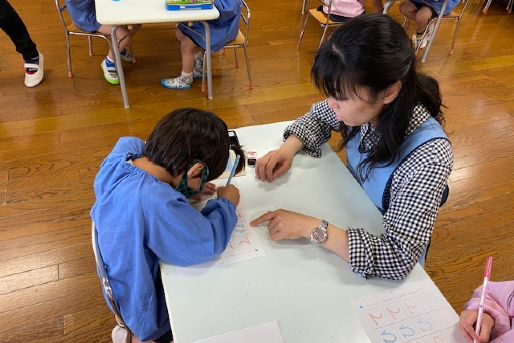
(103, 279)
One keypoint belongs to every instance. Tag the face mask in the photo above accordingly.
(184, 188)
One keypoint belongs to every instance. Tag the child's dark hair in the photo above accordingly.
(373, 51)
(187, 134)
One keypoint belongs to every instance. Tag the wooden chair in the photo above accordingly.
(71, 29)
(241, 41)
(322, 19)
(106, 287)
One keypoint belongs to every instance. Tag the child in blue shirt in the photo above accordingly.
(142, 215)
(422, 11)
(83, 14)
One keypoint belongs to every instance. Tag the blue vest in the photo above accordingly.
(377, 184)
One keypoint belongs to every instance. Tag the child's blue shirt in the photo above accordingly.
(141, 220)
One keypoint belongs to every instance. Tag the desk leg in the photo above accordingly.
(208, 51)
(119, 67)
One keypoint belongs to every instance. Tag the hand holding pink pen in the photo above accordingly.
(487, 275)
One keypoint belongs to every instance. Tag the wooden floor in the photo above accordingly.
(54, 137)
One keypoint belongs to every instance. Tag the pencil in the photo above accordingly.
(236, 162)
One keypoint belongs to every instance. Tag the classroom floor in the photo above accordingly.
(53, 138)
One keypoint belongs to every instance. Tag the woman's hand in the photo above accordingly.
(284, 224)
(230, 193)
(277, 162)
(467, 323)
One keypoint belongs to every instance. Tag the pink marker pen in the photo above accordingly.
(487, 275)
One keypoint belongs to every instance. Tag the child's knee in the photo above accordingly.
(424, 14)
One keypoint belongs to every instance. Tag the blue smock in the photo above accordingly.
(141, 221)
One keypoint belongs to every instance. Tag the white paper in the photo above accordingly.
(244, 243)
(265, 333)
(417, 313)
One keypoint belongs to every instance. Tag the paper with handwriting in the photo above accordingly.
(417, 313)
(244, 242)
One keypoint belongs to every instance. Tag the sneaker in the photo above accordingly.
(180, 82)
(198, 68)
(126, 56)
(34, 71)
(119, 334)
(416, 38)
(110, 74)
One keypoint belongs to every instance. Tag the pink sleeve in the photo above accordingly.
(498, 303)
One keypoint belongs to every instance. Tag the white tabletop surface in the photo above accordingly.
(306, 288)
(118, 12)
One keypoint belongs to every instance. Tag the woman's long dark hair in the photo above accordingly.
(187, 134)
(373, 51)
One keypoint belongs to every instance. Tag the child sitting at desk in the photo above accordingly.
(422, 11)
(497, 316)
(192, 41)
(83, 14)
(142, 215)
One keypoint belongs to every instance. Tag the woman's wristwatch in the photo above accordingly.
(319, 234)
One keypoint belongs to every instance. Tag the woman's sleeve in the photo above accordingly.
(408, 222)
(315, 127)
(498, 303)
(180, 235)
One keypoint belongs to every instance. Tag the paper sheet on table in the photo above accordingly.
(417, 313)
(244, 242)
(268, 333)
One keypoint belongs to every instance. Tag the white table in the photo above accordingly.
(124, 12)
(306, 288)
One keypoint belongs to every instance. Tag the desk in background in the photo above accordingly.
(124, 12)
(306, 288)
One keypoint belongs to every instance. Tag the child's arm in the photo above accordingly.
(180, 235)
(498, 304)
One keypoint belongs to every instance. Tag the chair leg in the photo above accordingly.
(68, 54)
(250, 84)
(405, 22)
(455, 36)
(303, 30)
(235, 56)
(484, 11)
(323, 36)
(131, 50)
(203, 72)
(90, 45)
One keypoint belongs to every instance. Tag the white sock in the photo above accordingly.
(187, 74)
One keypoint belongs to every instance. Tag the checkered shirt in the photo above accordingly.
(415, 194)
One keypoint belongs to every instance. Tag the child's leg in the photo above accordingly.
(121, 32)
(423, 16)
(408, 9)
(187, 49)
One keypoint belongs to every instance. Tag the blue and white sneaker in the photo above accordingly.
(126, 56)
(110, 73)
(180, 82)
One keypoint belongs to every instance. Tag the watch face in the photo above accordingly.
(318, 235)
